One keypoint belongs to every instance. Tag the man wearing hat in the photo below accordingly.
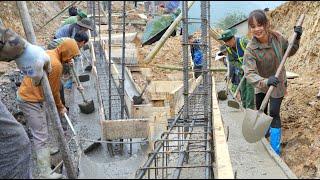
(74, 19)
(70, 30)
(235, 47)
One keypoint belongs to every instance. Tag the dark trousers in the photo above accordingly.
(275, 104)
(62, 95)
(197, 71)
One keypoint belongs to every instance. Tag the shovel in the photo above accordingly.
(84, 77)
(256, 123)
(138, 99)
(223, 94)
(235, 103)
(87, 106)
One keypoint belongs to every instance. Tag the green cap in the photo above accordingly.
(227, 34)
(82, 14)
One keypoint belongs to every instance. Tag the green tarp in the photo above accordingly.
(157, 25)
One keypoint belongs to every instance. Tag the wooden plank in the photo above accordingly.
(146, 110)
(125, 129)
(222, 163)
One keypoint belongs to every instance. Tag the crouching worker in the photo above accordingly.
(31, 102)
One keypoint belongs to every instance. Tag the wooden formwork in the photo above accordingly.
(222, 164)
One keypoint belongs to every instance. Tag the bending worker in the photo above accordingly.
(261, 61)
(31, 98)
(70, 30)
(81, 38)
(15, 151)
(235, 47)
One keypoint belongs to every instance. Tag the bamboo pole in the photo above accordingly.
(178, 68)
(52, 109)
(26, 21)
(214, 34)
(164, 37)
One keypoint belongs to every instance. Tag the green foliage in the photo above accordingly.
(230, 19)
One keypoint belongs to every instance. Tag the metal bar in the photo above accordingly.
(204, 38)
(157, 149)
(109, 43)
(115, 142)
(123, 58)
(204, 151)
(94, 21)
(171, 167)
(182, 155)
(185, 61)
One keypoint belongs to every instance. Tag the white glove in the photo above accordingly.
(32, 62)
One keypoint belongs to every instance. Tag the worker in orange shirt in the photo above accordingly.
(31, 102)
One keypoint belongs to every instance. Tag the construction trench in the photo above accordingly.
(162, 137)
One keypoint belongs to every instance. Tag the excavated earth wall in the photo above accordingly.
(300, 110)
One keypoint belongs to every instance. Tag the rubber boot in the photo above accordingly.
(44, 164)
(275, 139)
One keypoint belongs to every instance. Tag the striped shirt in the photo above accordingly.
(68, 30)
(262, 60)
(56, 42)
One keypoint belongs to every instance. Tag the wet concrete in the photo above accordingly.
(98, 163)
(249, 161)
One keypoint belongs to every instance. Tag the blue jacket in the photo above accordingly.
(196, 54)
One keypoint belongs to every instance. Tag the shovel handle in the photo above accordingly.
(266, 98)
(239, 85)
(70, 124)
(52, 109)
(144, 89)
(78, 82)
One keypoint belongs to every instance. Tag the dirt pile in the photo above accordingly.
(40, 12)
(301, 110)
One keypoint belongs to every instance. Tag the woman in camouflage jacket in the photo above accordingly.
(261, 61)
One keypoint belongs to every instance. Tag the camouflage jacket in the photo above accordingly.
(262, 60)
(11, 44)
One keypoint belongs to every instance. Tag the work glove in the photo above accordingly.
(273, 81)
(298, 30)
(33, 61)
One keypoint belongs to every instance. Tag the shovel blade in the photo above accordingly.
(87, 107)
(255, 125)
(233, 104)
(137, 100)
(222, 95)
(88, 68)
(84, 78)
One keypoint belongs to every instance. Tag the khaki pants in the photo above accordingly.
(35, 115)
